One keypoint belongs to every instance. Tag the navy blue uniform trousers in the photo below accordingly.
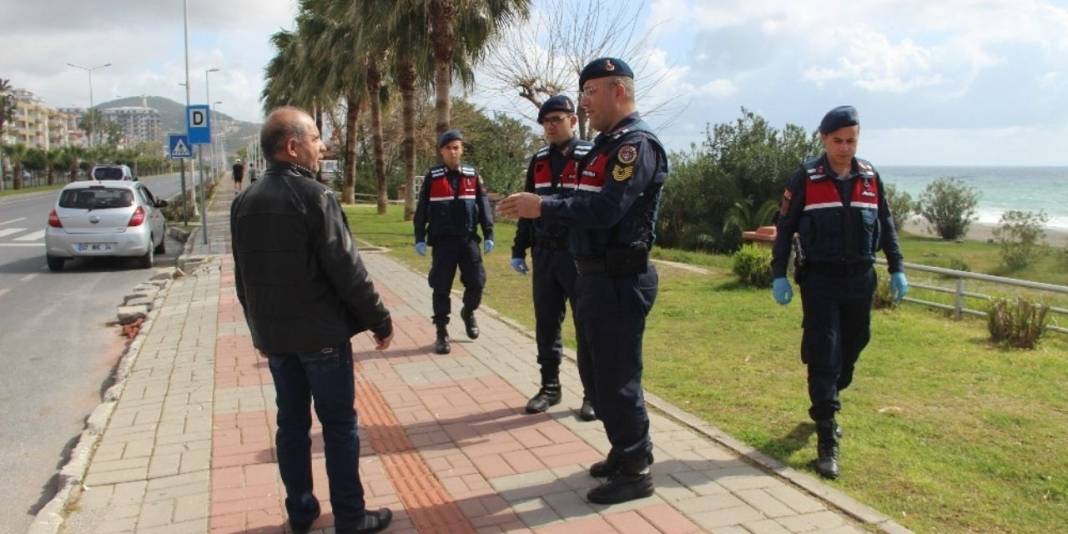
(611, 312)
(449, 253)
(837, 327)
(554, 286)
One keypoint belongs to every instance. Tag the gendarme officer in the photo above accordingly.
(837, 207)
(612, 216)
(452, 204)
(553, 170)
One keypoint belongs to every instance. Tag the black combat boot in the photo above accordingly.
(469, 323)
(586, 412)
(608, 466)
(441, 345)
(549, 394)
(827, 447)
(630, 481)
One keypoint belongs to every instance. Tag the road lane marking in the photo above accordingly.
(36, 236)
(13, 245)
(10, 231)
(13, 221)
(28, 277)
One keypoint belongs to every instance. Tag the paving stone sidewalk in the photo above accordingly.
(445, 443)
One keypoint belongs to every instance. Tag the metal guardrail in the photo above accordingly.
(958, 307)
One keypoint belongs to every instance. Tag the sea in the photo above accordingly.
(1000, 188)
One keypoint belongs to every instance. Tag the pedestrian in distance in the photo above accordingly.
(611, 219)
(452, 205)
(305, 292)
(238, 173)
(552, 171)
(837, 207)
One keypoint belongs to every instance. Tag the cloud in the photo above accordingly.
(144, 43)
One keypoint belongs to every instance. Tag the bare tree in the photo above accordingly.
(544, 57)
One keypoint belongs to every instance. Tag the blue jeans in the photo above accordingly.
(326, 376)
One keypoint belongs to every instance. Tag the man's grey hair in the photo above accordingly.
(628, 85)
(281, 126)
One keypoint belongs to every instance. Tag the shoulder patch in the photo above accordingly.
(627, 154)
(622, 173)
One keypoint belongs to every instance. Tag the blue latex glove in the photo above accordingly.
(781, 290)
(520, 265)
(899, 286)
(487, 245)
(420, 248)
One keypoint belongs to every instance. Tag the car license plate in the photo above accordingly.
(94, 247)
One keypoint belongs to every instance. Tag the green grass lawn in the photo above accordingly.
(943, 431)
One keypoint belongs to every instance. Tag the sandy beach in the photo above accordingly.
(977, 231)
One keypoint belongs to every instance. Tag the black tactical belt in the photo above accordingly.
(838, 269)
(622, 262)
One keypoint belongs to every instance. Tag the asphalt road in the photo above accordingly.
(56, 354)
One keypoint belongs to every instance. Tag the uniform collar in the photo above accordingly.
(854, 169)
(625, 122)
(567, 147)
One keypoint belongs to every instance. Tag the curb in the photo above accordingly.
(50, 518)
(837, 500)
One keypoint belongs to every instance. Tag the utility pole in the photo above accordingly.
(88, 113)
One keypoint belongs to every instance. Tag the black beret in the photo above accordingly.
(839, 117)
(604, 66)
(556, 103)
(449, 136)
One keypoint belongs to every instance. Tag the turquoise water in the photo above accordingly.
(1000, 188)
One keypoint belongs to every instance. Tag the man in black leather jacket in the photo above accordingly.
(305, 293)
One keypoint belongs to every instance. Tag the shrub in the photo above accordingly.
(882, 299)
(752, 265)
(901, 205)
(1020, 233)
(948, 204)
(1020, 324)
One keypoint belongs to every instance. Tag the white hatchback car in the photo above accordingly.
(105, 218)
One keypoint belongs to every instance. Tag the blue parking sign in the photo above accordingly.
(178, 146)
(198, 124)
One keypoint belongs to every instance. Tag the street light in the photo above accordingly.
(218, 164)
(207, 91)
(90, 70)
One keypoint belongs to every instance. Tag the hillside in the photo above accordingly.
(235, 134)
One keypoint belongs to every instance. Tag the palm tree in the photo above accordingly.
(7, 113)
(55, 162)
(463, 26)
(17, 154)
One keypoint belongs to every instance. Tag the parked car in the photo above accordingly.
(105, 218)
(112, 172)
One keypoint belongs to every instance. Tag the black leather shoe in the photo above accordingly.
(548, 395)
(302, 527)
(622, 487)
(586, 412)
(469, 323)
(375, 521)
(441, 345)
(827, 449)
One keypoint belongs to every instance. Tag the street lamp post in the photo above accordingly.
(211, 125)
(90, 70)
(217, 157)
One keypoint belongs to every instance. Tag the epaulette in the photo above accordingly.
(867, 170)
(542, 153)
(814, 169)
(468, 171)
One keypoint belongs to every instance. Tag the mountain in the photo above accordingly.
(234, 134)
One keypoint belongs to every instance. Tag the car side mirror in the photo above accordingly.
(161, 203)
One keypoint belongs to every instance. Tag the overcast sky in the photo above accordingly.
(951, 82)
